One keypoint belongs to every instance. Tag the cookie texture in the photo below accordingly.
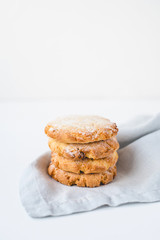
(76, 151)
(84, 166)
(81, 129)
(82, 180)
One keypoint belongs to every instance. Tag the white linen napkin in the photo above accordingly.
(137, 180)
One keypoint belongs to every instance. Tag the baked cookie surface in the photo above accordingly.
(81, 129)
(84, 166)
(82, 180)
(78, 151)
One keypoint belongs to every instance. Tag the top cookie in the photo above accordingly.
(81, 129)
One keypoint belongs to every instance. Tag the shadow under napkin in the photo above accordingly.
(138, 180)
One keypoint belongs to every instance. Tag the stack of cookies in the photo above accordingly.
(83, 150)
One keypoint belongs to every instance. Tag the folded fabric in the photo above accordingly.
(137, 180)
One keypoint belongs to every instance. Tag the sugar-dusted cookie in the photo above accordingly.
(76, 151)
(84, 166)
(81, 129)
(82, 180)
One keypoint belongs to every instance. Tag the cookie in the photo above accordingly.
(84, 166)
(81, 129)
(78, 151)
(82, 180)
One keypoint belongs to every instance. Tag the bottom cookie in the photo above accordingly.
(82, 180)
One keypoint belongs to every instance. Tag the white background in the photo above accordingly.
(80, 49)
(73, 57)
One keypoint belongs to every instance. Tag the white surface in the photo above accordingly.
(22, 139)
(81, 48)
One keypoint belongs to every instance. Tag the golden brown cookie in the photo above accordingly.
(81, 129)
(82, 180)
(84, 166)
(78, 151)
